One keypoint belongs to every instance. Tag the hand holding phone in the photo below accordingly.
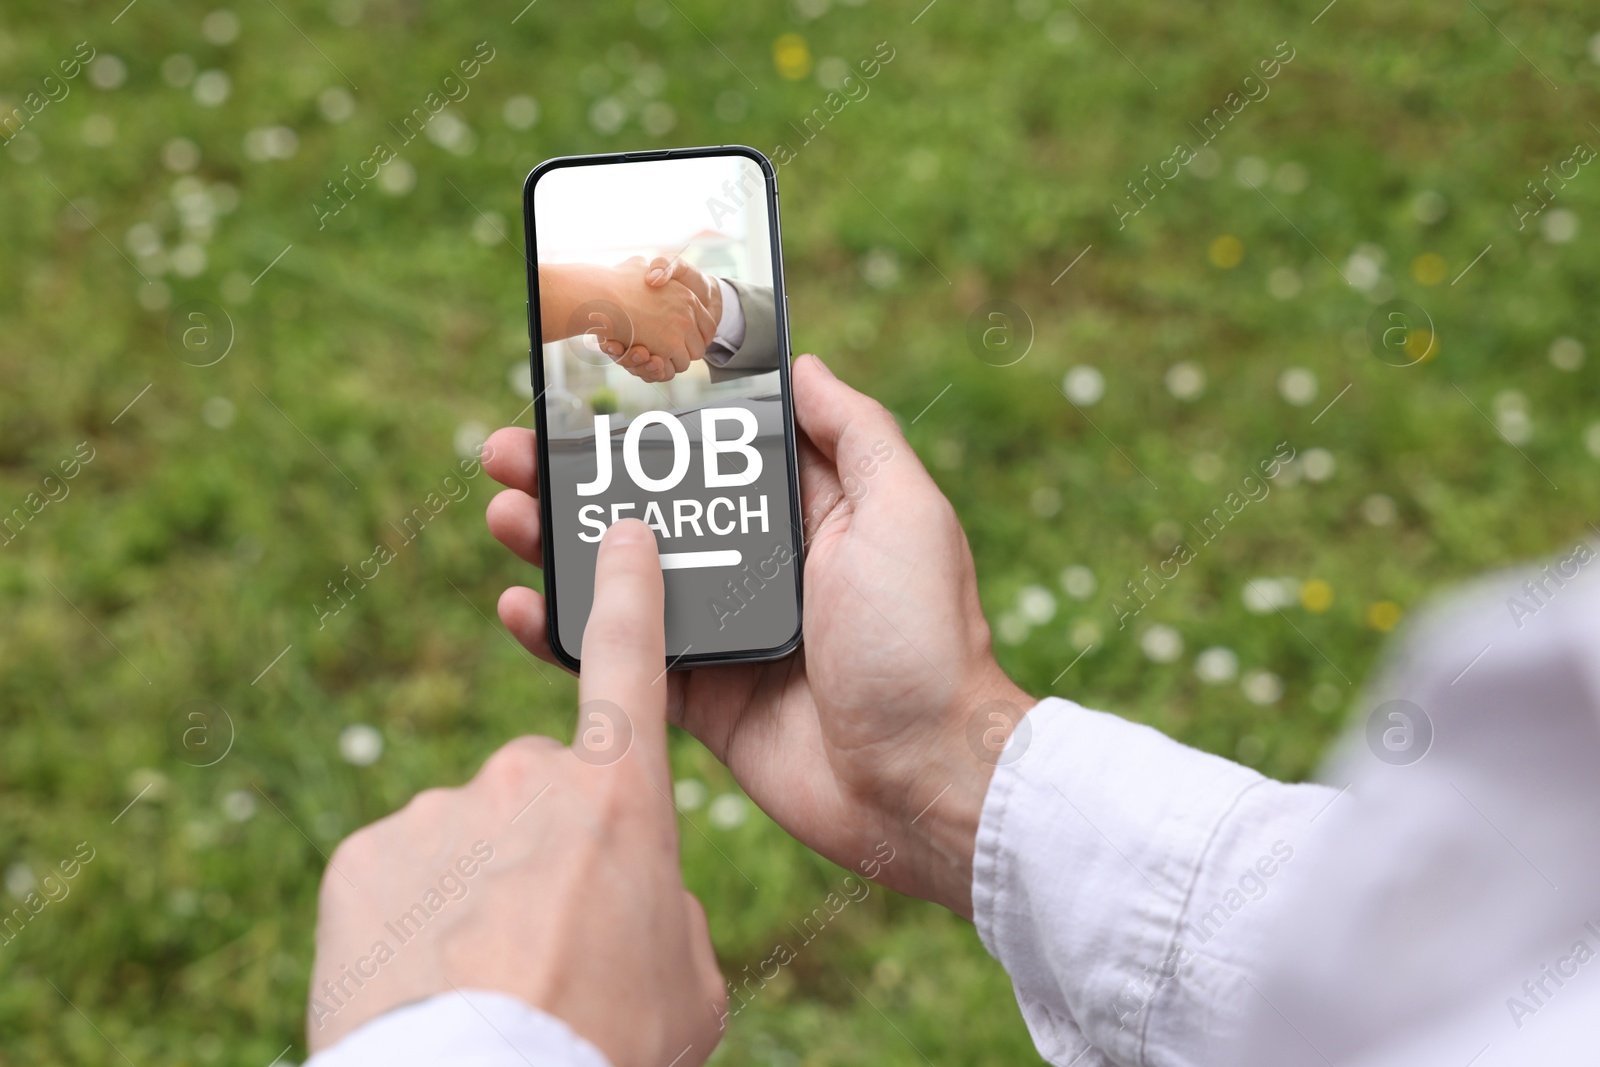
(869, 744)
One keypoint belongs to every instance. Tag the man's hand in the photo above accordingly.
(552, 876)
(659, 273)
(653, 331)
(885, 727)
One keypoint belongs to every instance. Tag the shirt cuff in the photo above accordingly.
(470, 1028)
(1099, 844)
(730, 328)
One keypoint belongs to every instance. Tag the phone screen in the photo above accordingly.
(707, 457)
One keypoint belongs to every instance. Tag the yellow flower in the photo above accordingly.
(1316, 595)
(1422, 345)
(1384, 615)
(1226, 251)
(792, 56)
(1428, 268)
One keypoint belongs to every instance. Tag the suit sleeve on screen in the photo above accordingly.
(758, 352)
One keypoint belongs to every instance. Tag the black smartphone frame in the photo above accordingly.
(780, 303)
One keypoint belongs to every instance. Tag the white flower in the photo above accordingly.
(218, 412)
(1284, 283)
(879, 268)
(451, 134)
(1566, 353)
(1084, 385)
(607, 115)
(397, 177)
(1262, 596)
(1262, 687)
(211, 88)
(98, 131)
(521, 379)
(1217, 665)
(1078, 582)
(1011, 629)
(1318, 464)
(1162, 643)
(1559, 226)
(1186, 380)
(239, 805)
(336, 104)
(1036, 605)
(270, 142)
(521, 112)
(1045, 501)
(143, 239)
(1511, 417)
(20, 880)
(727, 811)
(1251, 172)
(1379, 509)
(180, 155)
(657, 118)
(1085, 632)
(489, 228)
(220, 27)
(1364, 268)
(177, 70)
(188, 260)
(832, 71)
(1298, 386)
(107, 71)
(689, 794)
(360, 744)
(469, 438)
(1206, 466)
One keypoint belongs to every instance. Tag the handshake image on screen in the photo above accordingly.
(655, 317)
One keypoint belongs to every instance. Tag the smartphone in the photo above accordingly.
(707, 459)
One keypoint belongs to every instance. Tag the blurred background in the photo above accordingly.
(230, 369)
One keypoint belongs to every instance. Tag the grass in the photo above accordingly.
(186, 560)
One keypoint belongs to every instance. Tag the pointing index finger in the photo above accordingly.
(623, 684)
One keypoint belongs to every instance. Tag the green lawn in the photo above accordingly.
(195, 539)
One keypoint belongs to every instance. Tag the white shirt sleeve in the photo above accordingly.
(1109, 864)
(472, 1028)
(730, 328)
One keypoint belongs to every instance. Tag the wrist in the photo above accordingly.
(937, 806)
(567, 289)
(715, 302)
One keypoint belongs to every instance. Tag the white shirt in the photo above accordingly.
(1155, 905)
(472, 1028)
(730, 327)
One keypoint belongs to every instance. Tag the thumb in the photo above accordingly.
(846, 426)
(622, 688)
(661, 270)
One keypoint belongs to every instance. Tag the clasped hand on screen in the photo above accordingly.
(653, 317)
(858, 739)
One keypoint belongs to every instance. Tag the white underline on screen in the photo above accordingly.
(679, 561)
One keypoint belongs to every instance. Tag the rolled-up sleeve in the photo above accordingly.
(1113, 875)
